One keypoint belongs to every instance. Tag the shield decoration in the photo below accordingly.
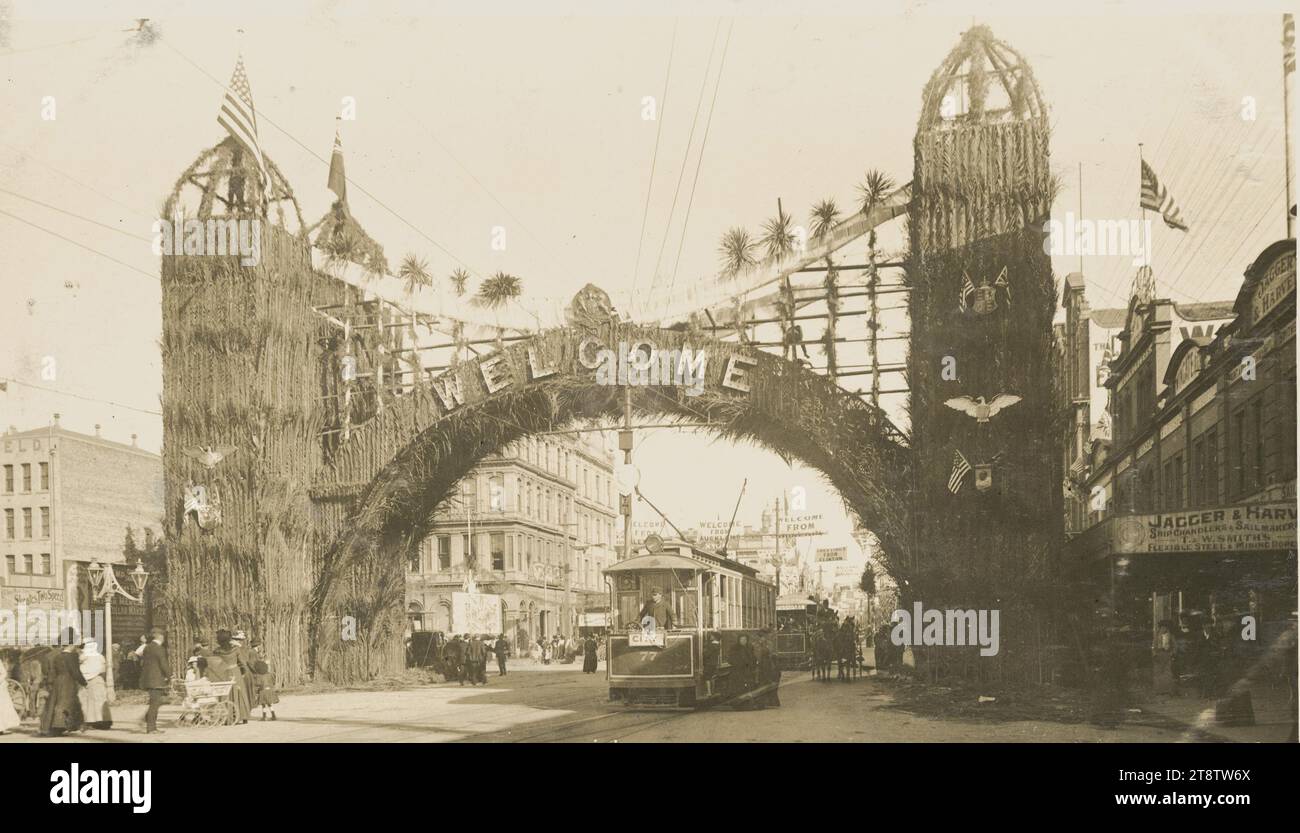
(984, 477)
(985, 300)
(205, 506)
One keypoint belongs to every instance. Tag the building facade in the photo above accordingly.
(67, 500)
(534, 525)
(1189, 504)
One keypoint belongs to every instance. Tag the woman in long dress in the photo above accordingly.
(94, 697)
(225, 666)
(63, 705)
(8, 715)
(589, 655)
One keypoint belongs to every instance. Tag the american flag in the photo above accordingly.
(1288, 43)
(960, 468)
(240, 119)
(1156, 197)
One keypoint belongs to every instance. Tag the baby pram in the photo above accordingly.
(207, 703)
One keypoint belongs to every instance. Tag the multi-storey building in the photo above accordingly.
(67, 500)
(1189, 504)
(535, 525)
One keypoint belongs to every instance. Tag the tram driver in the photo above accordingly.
(659, 609)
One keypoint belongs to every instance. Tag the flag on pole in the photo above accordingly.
(1288, 43)
(338, 181)
(960, 468)
(1156, 197)
(239, 118)
(967, 290)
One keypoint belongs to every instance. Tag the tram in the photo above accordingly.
(711, 601)
(796, 627)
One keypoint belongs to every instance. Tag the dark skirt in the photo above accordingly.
(589, 662)
(266, 693)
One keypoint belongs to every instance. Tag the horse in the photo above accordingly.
(823, 653)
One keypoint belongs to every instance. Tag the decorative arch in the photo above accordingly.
(386, 484)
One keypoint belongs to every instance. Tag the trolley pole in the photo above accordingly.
(780, 556)
(625, 444)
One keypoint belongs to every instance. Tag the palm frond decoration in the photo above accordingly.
(876, 185)
(737, 251)
(778, 238)
(414, 272)
(825, 215)
(498, 290)
(341, 249)
(458, 280)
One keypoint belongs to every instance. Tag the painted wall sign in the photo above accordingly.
(1278, 282)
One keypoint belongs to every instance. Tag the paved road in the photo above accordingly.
(557, 704)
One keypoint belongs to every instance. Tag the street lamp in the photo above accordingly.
(104, 586)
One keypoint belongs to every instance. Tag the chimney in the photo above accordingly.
(56, 420)
(96, 429)
(134, 444)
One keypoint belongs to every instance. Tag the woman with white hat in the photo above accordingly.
(94, 696)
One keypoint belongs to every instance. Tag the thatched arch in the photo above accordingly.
(411, 458)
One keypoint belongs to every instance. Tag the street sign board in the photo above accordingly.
(832, 554)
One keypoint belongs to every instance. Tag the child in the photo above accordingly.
(263, 680)
(194, 670)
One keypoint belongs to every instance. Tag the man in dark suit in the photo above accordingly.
(475, 661)
(660, 609)
(154, 674)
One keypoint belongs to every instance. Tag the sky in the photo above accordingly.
(464, 123)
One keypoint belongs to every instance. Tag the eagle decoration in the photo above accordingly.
(980, 410)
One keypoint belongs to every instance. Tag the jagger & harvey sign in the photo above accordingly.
(1265, 526)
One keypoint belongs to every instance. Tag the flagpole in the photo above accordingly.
(1080, 215)
(1146, 226)
(1286, 131)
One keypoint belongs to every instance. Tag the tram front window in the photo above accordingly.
(669, 599)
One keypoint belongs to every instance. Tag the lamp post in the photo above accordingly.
(104, 586)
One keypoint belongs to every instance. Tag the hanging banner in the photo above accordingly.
(833, 554)
(475, 613)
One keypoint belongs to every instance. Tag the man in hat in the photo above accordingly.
(154, 674)
(659, 608)
(502, 650)
(475, 661)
